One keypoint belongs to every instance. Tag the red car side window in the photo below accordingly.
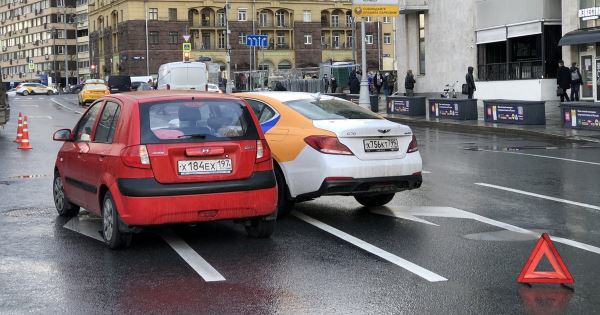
(85, 127)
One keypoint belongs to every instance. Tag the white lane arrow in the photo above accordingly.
(412, 213)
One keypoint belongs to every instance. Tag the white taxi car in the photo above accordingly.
(324, 145)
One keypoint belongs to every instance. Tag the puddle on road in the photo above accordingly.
(502, 236)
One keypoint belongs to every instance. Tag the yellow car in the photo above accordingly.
(34, 88)
(92, 92)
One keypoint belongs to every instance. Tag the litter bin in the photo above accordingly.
(515, 112)
(580, 115)
(373, 99)
(406, 105)
(453, 108)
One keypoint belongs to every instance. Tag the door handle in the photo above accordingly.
(101, 158)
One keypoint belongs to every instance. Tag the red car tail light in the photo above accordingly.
(262, 151)
(136, 156)
(328, 145)
(413, 146)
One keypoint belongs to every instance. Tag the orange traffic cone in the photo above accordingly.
(25, 141)
(19, 129)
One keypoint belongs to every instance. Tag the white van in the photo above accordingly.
(182, 76)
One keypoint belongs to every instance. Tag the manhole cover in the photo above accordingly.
(30, 212)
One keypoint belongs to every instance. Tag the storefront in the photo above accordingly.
(583, 43)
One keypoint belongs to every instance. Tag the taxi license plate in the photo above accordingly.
(199, 167)
(381, 145)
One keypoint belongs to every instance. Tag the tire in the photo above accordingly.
(113, 237)
(284, 204)
(260, 228)
(374, 200)
(62, 204)
(25, 93)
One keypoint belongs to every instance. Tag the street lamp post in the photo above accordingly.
(363, 100)
(228, 84)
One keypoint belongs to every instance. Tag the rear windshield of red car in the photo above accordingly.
(196, 121)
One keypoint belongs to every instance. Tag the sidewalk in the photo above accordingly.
(552, 129)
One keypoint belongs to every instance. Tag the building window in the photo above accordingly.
(335, 41)
(307, 16)
(242, 15)
(387, 38)
(263, 19)
(173, 37)
(335, 20)
(281, 40)
(280, 16)
(221, 42)
(242, 38)
(369, 38)
(387, 20)
(349, 18)
(221, 18)
(153, 14)
(349, 41)
(421, 43)
(172, 14)
(307, 39)
(368, 19)
(153, 38)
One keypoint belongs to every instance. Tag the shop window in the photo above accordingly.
(421, 43)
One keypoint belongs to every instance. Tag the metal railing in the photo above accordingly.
(518, 70)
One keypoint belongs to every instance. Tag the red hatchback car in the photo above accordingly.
(150, 158)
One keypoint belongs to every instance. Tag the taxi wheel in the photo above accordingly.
(284, 202)
(113, 237)
(260, 228)
(25, 93)
(62, 204)
(374, 200)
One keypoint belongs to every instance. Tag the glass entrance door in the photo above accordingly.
(587, 72)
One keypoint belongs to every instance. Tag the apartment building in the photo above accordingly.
(36, 38)
(136, 37)
(83, 48)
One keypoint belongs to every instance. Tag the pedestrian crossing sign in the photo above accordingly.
(187, 47)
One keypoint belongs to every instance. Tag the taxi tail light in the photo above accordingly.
(136, 156)
(413, 146)
(328, 145)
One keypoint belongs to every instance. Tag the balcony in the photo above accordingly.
(334, 25)
(275, 25)
(413, 6)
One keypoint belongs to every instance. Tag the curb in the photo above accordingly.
(488, 129)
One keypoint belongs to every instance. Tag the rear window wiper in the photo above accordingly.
(194, 135)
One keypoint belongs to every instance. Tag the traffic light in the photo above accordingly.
(186, 56)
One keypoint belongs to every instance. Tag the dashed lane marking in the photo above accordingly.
(544, 156)
(403, 263)
(201, 266)
(575, 203)
(40, 116)
(66, 107)
(88, 227)
(413, 214)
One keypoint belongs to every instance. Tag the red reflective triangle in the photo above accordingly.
(544, 247)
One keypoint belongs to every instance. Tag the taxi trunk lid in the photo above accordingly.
(370, 139)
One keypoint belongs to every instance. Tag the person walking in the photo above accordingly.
(279, 87)
(575, 82)
(333, 84)
(378, 82)
(563, 80)
(470, 83)
(325, 83)
(409, 83)
(354, 83)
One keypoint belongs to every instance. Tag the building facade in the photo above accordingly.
(83, 47)
(511, 44)
(36, 38)
(135, 37)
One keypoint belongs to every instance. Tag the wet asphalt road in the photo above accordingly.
(302, 269)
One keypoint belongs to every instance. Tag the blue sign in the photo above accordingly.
(257, 41)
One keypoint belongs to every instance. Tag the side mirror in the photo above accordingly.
(63, 135)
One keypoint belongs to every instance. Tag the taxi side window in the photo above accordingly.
(262, 111)
(83, 132)
(107, 124)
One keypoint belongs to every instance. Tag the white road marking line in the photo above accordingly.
(66, 107)
(425, 172)
(86, 226)
(29, 105)
(39, 116)
(544, 156)
(201, 266)
(580, 204)
(409, 213)
(409, 266)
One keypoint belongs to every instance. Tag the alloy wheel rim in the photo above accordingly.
(59, 195)
(107, 221)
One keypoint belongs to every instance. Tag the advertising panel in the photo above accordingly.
(363, 8)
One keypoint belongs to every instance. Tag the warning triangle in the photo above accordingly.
(545, 248)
